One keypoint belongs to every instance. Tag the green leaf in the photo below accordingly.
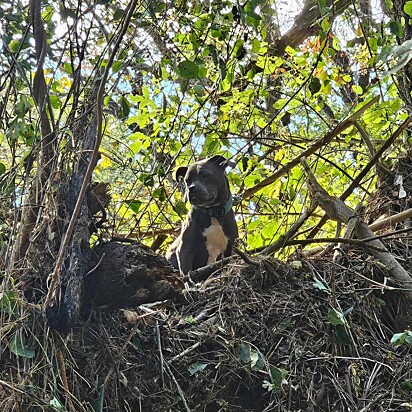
(2, 168)
(97, 404)
(17, 346)
(116, 65)
(134, 205)
(188, 69)
(196, 367)
(322, 7)
(118, 14)
(14, 46)
(159, 193)
(270, 229)
(315, 85)
(67, 67)
(357, 89)
(55, 102)
(277, 376)
(407, 8)
(8, 301)
(244, 352)
(343, 335)
(255, 46)
(335, 317)
(325, 25)
(257, 361)
(124, 107)
(407, 386)
(199, 90)
(56, 404)
(320, 285)
(396, 28)
(401, 338)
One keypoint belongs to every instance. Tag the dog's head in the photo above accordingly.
(205, 181)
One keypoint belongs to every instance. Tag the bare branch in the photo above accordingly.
(337, 210)
(307, 23)
(366, 170)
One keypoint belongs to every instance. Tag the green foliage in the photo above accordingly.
(191, 80)
(321, 285)
(18, 346)
(56, 404)
(338, 320)
(407, 8)
(251, 356)
(196, 367)
(8, 301)
(98, 403)
(401, 338)
(277, 379)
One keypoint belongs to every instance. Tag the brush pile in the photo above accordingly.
(302, 336)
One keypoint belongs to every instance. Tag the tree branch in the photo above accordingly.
(307, 23)
(54, 277)
(337, 210)
(310, 150)
(365, 171)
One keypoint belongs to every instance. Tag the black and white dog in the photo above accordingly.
(210, 229)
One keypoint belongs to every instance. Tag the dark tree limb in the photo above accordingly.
(124, 276)
(46, 153)
(63, 308)
(206, 271)
(307, 22)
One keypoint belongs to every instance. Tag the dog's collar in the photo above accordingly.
(217, 211)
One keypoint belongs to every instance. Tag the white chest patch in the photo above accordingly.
(216, 240)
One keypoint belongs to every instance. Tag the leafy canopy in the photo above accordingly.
(192, 79)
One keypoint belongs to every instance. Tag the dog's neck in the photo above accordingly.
(218, 210)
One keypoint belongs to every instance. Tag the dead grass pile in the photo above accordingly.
(303, 336)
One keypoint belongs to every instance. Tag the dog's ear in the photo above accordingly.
(218, 160)
(180, 173)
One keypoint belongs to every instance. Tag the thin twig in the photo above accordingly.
(283, 240)
(350, 358)
(391, 220)
(357, 242)
(337, 210)
(15, 388)
(186, 352)
(62, 366)
(179, 389)
(205, 271)
(245, 256)
(159, 347)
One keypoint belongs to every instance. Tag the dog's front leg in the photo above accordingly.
(185, 256)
